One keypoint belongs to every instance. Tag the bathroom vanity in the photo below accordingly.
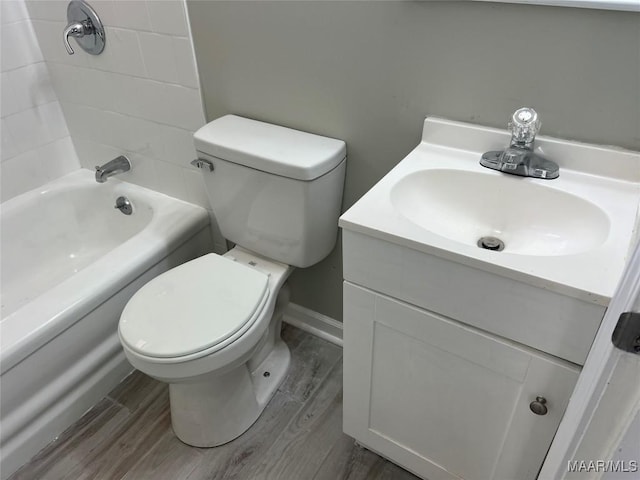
(459, 361)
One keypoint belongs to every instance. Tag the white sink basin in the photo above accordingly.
(571, 234)
(529, 218)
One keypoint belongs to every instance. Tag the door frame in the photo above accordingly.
(607, 392)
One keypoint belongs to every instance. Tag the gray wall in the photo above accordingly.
(369, 72)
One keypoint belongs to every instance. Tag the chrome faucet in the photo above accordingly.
(519, 158)
(77, 30)
(119, 164)
(85, 26)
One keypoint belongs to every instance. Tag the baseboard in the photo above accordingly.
(315, 323)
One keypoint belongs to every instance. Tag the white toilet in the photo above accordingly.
(211, 327)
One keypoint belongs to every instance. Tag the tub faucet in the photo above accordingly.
(519, 158)
(117, 165)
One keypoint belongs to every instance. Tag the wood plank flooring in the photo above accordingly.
(128, 436)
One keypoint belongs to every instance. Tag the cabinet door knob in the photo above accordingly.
(539, 406)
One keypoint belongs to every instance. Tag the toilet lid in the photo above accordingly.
(193, 307)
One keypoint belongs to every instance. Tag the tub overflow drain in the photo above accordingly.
(124, 205)
(491, 243)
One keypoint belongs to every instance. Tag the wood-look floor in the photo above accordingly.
(128, 435)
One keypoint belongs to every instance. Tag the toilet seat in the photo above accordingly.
(196, 308)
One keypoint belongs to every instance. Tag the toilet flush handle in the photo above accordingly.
(203, 164)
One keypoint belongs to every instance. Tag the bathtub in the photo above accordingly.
(69, 263)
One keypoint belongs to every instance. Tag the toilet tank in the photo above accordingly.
(273, 190)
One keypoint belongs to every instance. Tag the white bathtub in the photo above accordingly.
(69, 263)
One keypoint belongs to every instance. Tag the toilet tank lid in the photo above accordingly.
(270, 148)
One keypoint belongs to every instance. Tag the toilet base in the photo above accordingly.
(214, 412)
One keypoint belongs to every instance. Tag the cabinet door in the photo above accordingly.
(445, 400)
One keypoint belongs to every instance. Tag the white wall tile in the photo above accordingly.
(58, 158)
(12, 11)
(36, 167)
(127, 94)
(161, 102)
(20, 174)
(168, 16)
(37, 126)
(15, 51)
(106, 10)
(53, 10)
(38, 81)
(82, 85)
(136, 135)
(159, 58)
(185, 62)
(81, 122)
(194, 184)
(143, 171)
(178, 146)
(170, 181)
(92, 153)
(52, 118)
(100, 89)
(181, 107)
(132, 14)
(25, 88)
(8, 147)
(120, 131)
(10, 100)
(124, 51)
(121, 53)
(25, 130)
(104, 61)
(36, 146)
(105, 126)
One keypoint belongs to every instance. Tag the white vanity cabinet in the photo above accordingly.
(449, 398)
(445, 400)
(459, 358)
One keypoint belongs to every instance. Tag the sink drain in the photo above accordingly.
(491, 243)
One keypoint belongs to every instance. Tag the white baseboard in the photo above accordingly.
(315, 323)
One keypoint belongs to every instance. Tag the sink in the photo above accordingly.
(570, 235)
(531, 219)
(454, 272)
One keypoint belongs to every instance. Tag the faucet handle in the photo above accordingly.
(524, 125)
(85, 26)
(72, 30)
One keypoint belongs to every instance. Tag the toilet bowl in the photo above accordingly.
(210, 328)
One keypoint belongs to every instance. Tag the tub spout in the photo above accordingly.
(117, 165)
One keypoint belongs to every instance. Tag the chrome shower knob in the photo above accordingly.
(85, 26)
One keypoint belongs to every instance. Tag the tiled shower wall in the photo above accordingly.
(140, 97)
(36, 146)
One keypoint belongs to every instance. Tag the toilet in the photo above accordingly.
(210, 328)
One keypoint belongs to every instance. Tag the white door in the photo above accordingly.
(599, 436)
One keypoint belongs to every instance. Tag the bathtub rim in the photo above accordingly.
(174, 221)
